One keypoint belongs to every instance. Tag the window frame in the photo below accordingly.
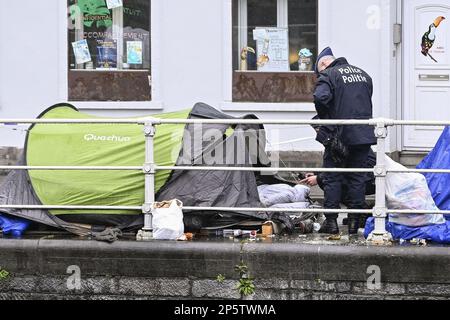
(156, 102)
(282, 21)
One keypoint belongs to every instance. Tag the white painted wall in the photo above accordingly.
(362, 31)
(28, 62)
(192, 48)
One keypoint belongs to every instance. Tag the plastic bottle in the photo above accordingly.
(316, 227)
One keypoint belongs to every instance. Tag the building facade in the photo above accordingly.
(138, 57)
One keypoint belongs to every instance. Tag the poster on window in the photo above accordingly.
(81, 51)
(134, 52)
(272, 49)
(106, 54)
(111, 4)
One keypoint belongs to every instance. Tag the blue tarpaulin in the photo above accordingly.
(439, 183)
(438, 233)
(13, 226)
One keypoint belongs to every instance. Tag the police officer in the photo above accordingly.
(343, 91)
(313, 179)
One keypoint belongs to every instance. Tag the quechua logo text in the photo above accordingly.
(90, 137)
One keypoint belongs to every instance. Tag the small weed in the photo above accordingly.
(246, 286)
(3, 274)
(220, 278)
(241, 268)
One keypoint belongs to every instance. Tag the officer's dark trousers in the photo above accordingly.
(355, 182)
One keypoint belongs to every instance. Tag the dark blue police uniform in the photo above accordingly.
(344, 91)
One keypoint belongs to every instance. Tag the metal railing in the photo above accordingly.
(149, 168)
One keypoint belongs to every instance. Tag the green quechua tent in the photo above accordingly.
(124, 145)
(97, 145)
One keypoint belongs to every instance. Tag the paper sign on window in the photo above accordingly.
(106, 54)
(134, 52)
(272, 47)
(111, 4)
(81, 51)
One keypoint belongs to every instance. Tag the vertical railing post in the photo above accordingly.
(380, 235)
(149, 170)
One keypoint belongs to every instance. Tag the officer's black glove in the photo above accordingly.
(338, 150)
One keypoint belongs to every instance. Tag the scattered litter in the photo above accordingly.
(163, 204)
(186, 237)
(419, 242)
(306, 226)
(316, 227)
(229, 233)
(249, 234)
(335, 237)
(244, 234)
(267, 229)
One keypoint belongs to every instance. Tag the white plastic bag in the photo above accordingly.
(409, 191)
(168, 222)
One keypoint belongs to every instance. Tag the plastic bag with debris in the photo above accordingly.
(168, 220)
(409, 191)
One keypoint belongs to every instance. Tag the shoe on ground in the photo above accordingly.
(330, 226)
(353, 226)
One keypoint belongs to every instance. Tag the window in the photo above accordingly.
(274, 50)
(109, 50)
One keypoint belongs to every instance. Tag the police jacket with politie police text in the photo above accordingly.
(344, 91)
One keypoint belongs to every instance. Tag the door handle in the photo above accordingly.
(434, 77)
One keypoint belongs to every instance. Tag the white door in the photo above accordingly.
(426, 69)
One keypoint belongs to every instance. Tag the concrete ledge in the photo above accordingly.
(349, 263)
(205, 260)
(173, 270)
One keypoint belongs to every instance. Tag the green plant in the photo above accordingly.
(3, 274)
(220, 278)
(246, 286)
(241, 268)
